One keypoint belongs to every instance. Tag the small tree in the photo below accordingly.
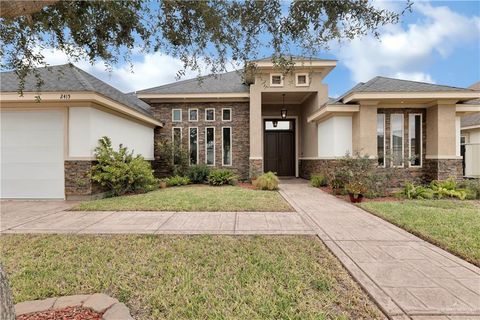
(120, 171)
(173, 160)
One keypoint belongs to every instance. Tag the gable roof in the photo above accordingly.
(68, 77)
(470, 120)
(229, 82)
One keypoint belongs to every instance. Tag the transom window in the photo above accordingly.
(301, 79)
(276, 79)
(176, 115)
(278, 125)
(192, 114)
(227, 114)
(210, 114)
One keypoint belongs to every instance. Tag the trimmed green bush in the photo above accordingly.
(318, 180)
(120, 171)
(222, 177)
(177, 181)
(198, 173)
(436, 190)
(267, 181)
(471, 187)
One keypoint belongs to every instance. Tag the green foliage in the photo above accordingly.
(412, 191)
(174, 159)
(471, 187)
(120, 171)
(177, 181)
(318, 180)
(356, 188)
(199, 33)
(198, 173)
(222, 177)
(267, 181)
(436, 190)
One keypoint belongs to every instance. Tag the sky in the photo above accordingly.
(438, 42)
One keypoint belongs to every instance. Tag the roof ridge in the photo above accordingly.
(81, 78)
(421, 82)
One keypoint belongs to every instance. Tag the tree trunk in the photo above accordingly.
(7, 310)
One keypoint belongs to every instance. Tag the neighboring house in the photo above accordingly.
(470, 140)
(263, 121)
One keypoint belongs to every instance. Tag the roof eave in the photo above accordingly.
(194, 97)
(433, 95)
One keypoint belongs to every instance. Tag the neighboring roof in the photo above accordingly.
(229, 82)
(470, 120)
(475, 86)
(68, 77)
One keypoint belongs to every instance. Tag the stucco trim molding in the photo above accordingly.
(456, 95)
(442, 157)
(470, 127)
(467, 108)
(255, 158)
(329, 110)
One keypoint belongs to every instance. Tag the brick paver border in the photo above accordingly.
(111, 308)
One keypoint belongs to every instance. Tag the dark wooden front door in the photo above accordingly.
(279, 152)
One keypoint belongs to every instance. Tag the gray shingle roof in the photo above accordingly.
(470, 120)
(67, 77)
(230, 82)
(384, 84)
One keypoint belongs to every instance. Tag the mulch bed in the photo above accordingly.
(69, 313)
(347, 198)
(246, 185)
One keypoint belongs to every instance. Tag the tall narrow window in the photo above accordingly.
(396, 140)
(176, 144)
(227, 146)
(381, 139)
(415, 139)
(193, 145)
(210, 146)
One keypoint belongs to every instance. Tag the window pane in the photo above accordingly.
(227, 147)
(277, 125)
(397, 139)
(381, 139)
(226, 114)
(177, 115)
(210, 114)
(193, 145)
(276, 79)
(302, 79)
(193, 115)
(177, 144)
(415, 136)
(210, 145)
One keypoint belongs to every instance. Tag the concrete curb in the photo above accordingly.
(111, 308)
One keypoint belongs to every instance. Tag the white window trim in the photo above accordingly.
(281, 78)
(206, 111)
(173, 112)
(421, 141)
(191, 109)
(307, 80)
(231, 115)
(403, 139)
(231, 148)
(189, 145)
(206, 145)
(384, 141)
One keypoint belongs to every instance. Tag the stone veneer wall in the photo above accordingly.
(256, 168)
(441, 169)
(240, 125)
(78, 183)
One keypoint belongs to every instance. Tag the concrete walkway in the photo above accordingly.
(408, 277)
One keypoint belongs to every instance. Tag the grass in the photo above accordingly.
(190, 277)
(451, 224)
(192, 198)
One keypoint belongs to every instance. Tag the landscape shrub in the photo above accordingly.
(471, 187)
(435, 190)
(120, 171)
(177, 181)
(172, 159)
(222, 177)
(198, 173)
(267, 181)
(318, 180)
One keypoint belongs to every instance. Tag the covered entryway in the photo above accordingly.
(32, 154)
(279, 147)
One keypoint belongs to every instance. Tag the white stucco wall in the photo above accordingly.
(87, 125)
(472, 153)
(335, 137)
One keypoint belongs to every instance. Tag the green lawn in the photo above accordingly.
(190, 277)
(450, 224)
(193, 198)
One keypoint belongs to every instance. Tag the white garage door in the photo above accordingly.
(32, 154)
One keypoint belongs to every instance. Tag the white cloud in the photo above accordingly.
(407, 51)
(149, 70)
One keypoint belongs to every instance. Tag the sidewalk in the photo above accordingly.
(408, 277)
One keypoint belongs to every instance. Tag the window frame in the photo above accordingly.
(191, 109)
(231, 115)
(190, 146)
(384, 165)
(173, 141)
(173, 113)
(307, 79)
(403, 140)
(231, 147)
(206, 147)
(275, 84)
(421, 141)
(206, 113)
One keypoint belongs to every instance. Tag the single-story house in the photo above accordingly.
(470, 140)
(249, 122)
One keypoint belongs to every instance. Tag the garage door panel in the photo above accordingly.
(32, 158)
